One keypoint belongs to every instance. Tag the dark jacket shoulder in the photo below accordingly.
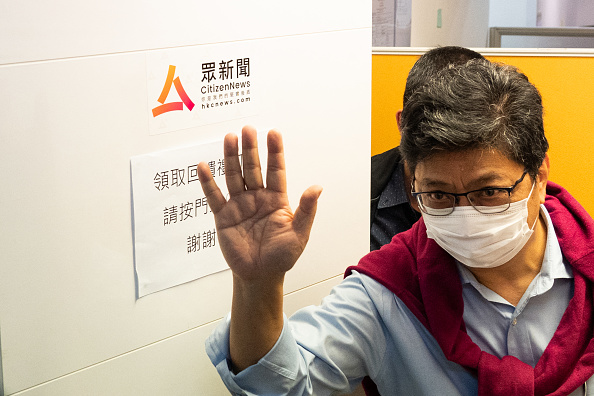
(382, 167)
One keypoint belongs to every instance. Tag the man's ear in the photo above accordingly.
(398, 115)
(543, 177)
(408, 187)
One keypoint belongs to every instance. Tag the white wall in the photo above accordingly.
(462, 22)
(74, 110)
(512, 13)
(561, 13)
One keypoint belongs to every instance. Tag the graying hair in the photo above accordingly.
(479, 105)
(432, 61)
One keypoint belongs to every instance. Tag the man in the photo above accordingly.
(391, 211)
(490, 293)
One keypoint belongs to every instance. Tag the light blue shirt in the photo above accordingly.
(362, 329)
(523, 331)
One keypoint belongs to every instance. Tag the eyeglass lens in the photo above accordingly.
(491, 200)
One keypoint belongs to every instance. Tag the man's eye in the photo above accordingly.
(437, 196)
(488, 192)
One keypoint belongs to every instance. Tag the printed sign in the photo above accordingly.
(175, 239)
(174, 232)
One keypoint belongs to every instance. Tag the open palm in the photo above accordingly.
(259, 235)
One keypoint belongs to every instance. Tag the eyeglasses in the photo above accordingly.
(485, 200)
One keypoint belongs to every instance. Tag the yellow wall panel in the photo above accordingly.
(566, 85)
(387, 87)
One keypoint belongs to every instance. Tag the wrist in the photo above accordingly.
(256, 320)
(257, 294)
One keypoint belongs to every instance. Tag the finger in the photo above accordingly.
(252, 172)
(233, 176)
(213, 194)
(276, 177)
(306, 211)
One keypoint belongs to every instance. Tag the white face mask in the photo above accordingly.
(481, 240)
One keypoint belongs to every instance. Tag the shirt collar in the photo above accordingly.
(394, 193)
(553, 265)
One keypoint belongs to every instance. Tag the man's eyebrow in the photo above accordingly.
(491, 179)
(433, 184)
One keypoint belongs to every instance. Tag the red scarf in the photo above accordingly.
(426, 279)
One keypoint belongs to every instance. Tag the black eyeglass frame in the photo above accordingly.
(509, 190)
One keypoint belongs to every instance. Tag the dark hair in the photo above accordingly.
(479, 105)
(434, 60)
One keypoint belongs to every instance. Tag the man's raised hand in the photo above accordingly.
(260, 237)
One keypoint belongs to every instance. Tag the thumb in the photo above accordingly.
(306, 211)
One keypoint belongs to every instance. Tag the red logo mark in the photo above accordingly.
(166, 107)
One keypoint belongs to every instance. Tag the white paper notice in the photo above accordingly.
(175, 238)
